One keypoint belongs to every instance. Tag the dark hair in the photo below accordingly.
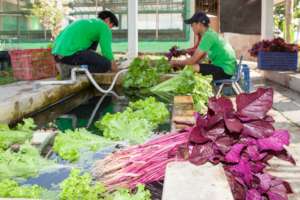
(107, 14)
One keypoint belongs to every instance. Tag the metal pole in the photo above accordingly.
(289, 5)
(267, 19)
(132, 29)
(157, 20)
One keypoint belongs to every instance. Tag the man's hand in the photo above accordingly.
(114, 66)
(176, 64)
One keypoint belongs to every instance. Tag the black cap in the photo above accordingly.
(108, 14)
(198, 17)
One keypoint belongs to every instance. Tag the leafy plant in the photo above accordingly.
(11, 189)
(69, 144)
(243, 140)
(275, 45)
(136, 123)
(78, 186)
(151, 110)
(19, 135)
(50, 13)
(145, 73)
(26, 163)
(187, 83)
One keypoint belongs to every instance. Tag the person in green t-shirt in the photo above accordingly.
(77, 43)
(219, 52)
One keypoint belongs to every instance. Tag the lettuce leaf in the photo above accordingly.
(69, 144)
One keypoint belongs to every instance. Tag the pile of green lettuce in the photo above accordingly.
(25, 163)
(145, 73)
(136, 123)
(18, 135)
(187, 82)
(11, 189)
(69, 144)
(80, 186)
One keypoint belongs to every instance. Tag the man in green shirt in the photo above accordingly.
(219, 52)
(77, 43)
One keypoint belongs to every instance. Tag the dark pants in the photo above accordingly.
(95, 62)
(215, 71)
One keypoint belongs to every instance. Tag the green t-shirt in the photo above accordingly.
(80, 35)
(219, 51)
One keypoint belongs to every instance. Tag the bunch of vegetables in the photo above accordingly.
(275, 45)
(145, 73)
(139, 164)
(81, 187)
(10, 188)
(243, 140)
(19, 135)
(187, 83)
(26, 163)
(175, 52)
(136, 123)
(69, 144)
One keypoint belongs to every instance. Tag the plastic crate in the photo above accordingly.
(277, 61)
(32, 64)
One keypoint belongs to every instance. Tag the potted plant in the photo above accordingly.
(275, 54)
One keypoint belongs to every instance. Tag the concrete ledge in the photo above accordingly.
(20, 99)
(288, 79)
(184, 180)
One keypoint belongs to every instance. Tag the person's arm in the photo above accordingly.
(204, 47)
(105, 41)
(114, 66)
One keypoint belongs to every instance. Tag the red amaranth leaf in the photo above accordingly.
(255, 105)
(233, 124)
(253, 195)
(220, 105)
(258, 129)
(201, 153)
(196, 136)
(234, 155)
(275, 142)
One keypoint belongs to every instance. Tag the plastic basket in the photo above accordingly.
(32, 64)
(277, 61)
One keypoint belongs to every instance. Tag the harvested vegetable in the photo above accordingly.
(11, 189)
(187, 83)
(19, 135)
(145, 73)
(23, 164)
(139, 164)
(243, 141)
(69, 144)
(78, 186)
(136, 123)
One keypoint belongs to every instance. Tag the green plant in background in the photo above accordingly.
(25, 163)
(125, 194)
(50, 13)
(11, 189)
(136, 123)
(69, 144)
(6, 76)
(145, 73)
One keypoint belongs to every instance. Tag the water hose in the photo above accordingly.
(90, 77)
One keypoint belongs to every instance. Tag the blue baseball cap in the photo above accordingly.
(198, 17)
